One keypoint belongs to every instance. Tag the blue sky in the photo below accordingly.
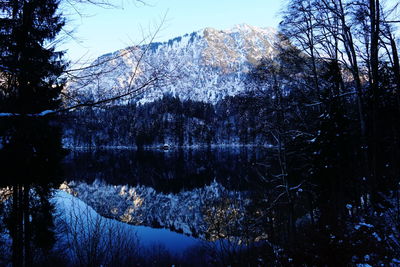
(100, 30)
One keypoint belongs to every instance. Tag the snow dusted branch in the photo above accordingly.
(94, 77)
(90, 75)
(40, 114)
(330, 100)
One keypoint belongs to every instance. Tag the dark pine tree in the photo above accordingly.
(30, 68)
(30, 71)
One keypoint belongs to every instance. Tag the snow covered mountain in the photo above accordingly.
(206, 65)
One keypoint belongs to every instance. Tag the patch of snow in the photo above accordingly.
(377, 236)
(7, 114)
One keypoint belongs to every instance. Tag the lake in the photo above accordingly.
(177, 198)
(154, 207)
(168, 170)
(206, 206)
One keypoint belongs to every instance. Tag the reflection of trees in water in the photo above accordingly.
(225, 217)
(238, 231)
(170, 171)
(29, 156)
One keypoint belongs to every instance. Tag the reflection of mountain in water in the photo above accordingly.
(210, 212)
(201, 192)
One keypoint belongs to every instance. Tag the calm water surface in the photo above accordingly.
(168, 171)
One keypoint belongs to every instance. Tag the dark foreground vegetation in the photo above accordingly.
(335, 88)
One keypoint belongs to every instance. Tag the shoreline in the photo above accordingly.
(161, 147)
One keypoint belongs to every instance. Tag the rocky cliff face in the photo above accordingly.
(206, 65)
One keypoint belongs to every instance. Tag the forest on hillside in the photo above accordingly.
(232, 121)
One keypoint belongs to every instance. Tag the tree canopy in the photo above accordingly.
(30, 68)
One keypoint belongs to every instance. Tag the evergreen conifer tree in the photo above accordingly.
(30, 68)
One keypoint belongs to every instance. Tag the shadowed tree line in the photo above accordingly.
(334, 89)
(234, 120)
(30, 149)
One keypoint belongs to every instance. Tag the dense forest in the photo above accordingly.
(232, 121)
(334, 87)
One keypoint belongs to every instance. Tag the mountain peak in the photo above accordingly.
(243, 28)
(210, 64)
(246, 28)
